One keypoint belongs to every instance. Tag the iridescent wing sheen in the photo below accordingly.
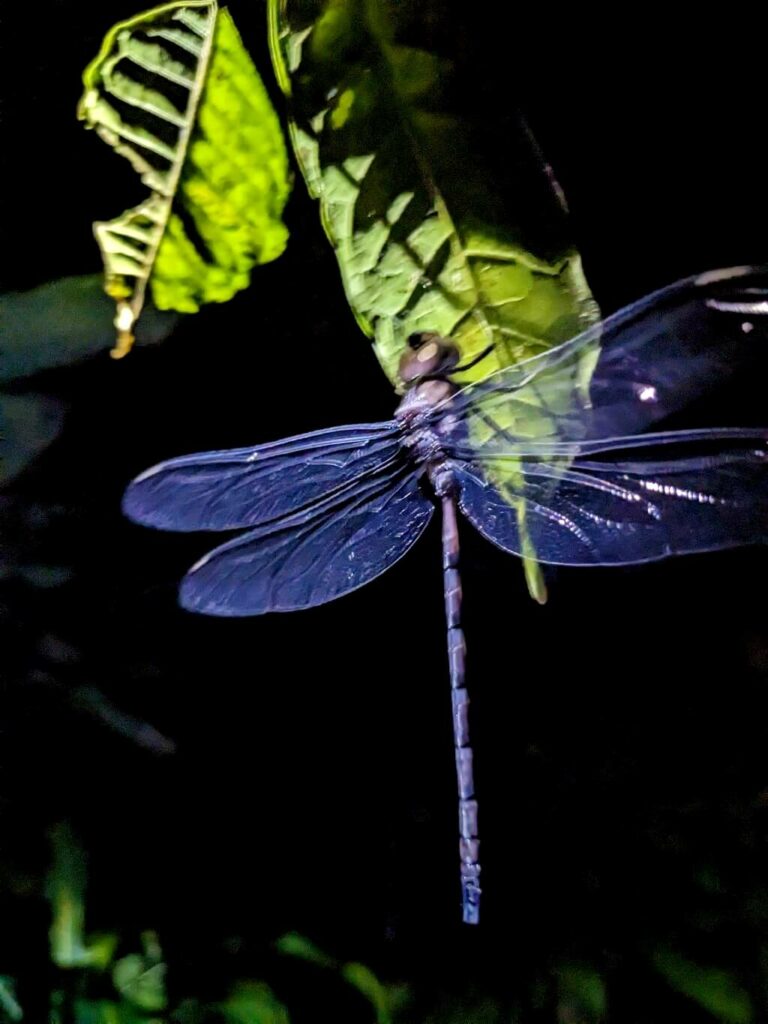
(628, 502)
(314, 556)
(578, 476)
(332, 510)
(618, 378)
(225, 490)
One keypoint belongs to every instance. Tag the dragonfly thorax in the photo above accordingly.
(425, 437)
(427, 389)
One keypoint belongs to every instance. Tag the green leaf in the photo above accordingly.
(714, 989)
(103, 1011)
(10, 1010)
(174, 91)
(384, 999)
(440, 221)
(66, 893)
(252, 1002)
(140, 978)
(581, 994)
(293, 944)
(28, 424)
(443, 215)
(366, 982)
(61, 322)
(140, 983)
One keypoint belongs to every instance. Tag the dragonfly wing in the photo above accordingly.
(648, 498)
(550, 463)
(224, 490)
(634, 369)
(315, 556)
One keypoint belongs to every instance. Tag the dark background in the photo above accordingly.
(619, 732)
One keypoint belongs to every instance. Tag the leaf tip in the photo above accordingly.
(534, 577)
(124, 321)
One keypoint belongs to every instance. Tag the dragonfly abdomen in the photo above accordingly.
(423, 370)
(469, 844)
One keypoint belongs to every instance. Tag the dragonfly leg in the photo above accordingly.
(468, 841)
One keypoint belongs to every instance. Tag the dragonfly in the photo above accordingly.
(534, 456)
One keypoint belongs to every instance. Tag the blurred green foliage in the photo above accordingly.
(9, 1007)
(139, 979)
(712, 988)
(386, 1000)
(28, 424)
(96, 986)
(63, 322)
(54, 325)
(581, 994)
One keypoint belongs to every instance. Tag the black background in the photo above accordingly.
(619, 731)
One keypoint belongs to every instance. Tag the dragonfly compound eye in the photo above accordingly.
(431, 356)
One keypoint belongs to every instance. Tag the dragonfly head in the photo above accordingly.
(428, 356)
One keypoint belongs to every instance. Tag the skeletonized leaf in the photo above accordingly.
(174, 91)
(442, 212)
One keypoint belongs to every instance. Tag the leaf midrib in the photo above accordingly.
(412, 134)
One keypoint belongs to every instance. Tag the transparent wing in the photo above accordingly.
(639, 366)
(313, 556)
(628, 500)
(224, 490)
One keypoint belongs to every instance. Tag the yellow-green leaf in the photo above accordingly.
(443, 215)
(426, 236)
(174, 91)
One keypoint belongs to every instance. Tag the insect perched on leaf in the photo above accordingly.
(570, 475)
